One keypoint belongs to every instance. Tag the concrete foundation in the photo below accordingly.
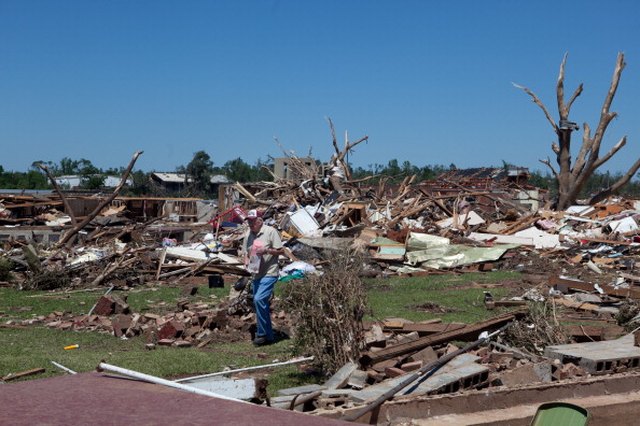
(612, 399)
(40, 234)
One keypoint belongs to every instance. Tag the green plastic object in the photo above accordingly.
(560, 414)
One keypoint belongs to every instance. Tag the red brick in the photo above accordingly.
(170, 330)
(411, 366)
(105, 306)
(393, 372)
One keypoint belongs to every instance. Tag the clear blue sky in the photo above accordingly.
(428, 81)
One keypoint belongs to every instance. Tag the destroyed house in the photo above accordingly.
(42, 217)
(478, 178)
(176, 182)
(170, 181)
(76, 181)
(487, 176)
(479, 182)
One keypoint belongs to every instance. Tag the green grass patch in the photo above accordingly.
(36, 347)
(29, 303)
(461, 297)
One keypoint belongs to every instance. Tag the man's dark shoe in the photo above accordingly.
(261, 341)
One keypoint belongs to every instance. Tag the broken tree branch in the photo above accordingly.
(547, 162)
(348, 145)
(538, 102)
(120, 263)
(622, 142)
(65, 202)
(613, 189)
(562, 108)
(72, 232)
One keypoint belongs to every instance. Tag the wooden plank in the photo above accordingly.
(564, 285)
(427, 328)
(603, 241)
(594, 332)
(577, 305)
(469, 332)
(13, 376)
(163, 256)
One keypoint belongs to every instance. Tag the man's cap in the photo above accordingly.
(252, 215)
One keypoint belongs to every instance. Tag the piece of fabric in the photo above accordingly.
(262, 291)
(268, 238)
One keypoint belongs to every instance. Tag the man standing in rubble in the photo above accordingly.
(261, 247)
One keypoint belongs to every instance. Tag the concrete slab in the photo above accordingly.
(460, 373)
(339, 379)
(599, 357)
(245, 389)
(300, 390)
(458, 369)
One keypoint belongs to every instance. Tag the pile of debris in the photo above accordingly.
(192, 324)
(584, 258)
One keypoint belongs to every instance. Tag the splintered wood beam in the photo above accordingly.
(72, 232)
(65, 202)
(471, 331)
(14, 376)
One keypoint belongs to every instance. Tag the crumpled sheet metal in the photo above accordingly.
(453, 255)
(419, 241)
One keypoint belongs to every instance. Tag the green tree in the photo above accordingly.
(238, 170)
(141, 183)
(95, 181)
(68, 166)
(86, 168)
(198, 173)
(261, 171)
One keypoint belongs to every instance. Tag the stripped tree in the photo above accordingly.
(571, 178)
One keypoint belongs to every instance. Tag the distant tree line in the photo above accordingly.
(199, 171)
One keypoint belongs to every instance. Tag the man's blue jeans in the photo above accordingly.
(262, 291)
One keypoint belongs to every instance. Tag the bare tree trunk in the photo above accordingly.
(565, 180)
(572, 178)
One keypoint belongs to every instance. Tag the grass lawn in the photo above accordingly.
(453, 298)
(35, 347)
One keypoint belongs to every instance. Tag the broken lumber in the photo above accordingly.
(460, 334)
(14, 376)
(72, 232)
(564, 284)
(422, 374)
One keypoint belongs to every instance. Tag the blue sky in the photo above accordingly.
(428, 81)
